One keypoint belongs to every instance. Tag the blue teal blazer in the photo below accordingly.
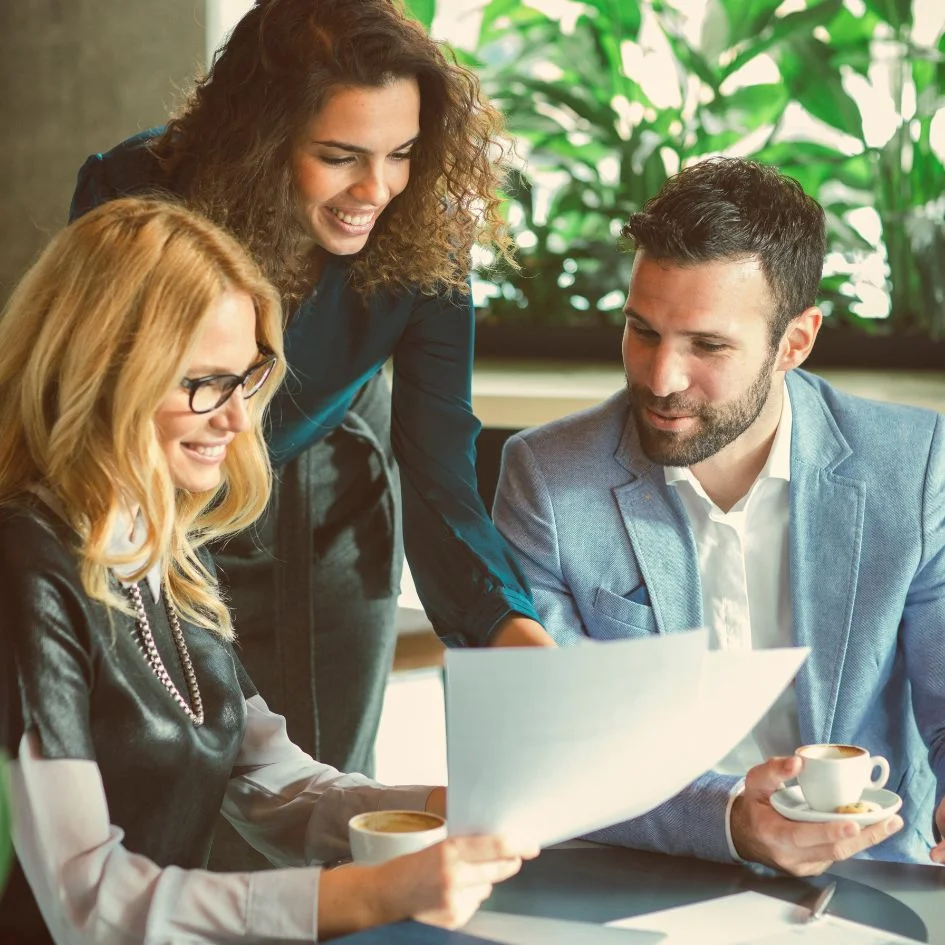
(608, 550)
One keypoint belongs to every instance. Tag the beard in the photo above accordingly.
(717, 425)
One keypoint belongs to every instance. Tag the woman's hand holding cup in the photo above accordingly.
(446, 883)
(406, 866)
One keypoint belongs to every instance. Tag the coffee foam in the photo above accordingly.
(398, 821)
(831, 752)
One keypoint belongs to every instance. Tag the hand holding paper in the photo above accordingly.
(549, 744)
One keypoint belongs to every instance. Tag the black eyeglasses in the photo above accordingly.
(214, 390)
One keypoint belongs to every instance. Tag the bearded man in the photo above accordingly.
(726, 488)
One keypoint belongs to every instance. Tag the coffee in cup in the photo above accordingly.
(381, 835)
(835, 776)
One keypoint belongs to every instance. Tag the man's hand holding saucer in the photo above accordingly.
(761, 835)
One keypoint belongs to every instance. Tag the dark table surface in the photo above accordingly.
(596, 884)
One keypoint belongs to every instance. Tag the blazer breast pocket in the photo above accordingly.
(617, 618)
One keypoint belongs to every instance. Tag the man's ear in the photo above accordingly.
(799, 338)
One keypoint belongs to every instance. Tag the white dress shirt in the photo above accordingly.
(746, 599)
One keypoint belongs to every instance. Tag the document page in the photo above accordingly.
(548, 744)
(509, 929)
(751, 918)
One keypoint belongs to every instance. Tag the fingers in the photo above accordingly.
(465, 871)
(840, 841)
(937, 853)
(807, 852)
(489, 871)
(489, 847)
(473, 861)
(768, 777)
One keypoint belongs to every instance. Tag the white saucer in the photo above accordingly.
(790, 803)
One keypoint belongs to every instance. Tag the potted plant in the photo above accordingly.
(598, 134)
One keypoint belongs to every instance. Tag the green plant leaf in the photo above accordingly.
(520, 18)
(422, 10)
(782, 29)
(815, 82)
(623, 18)
(736, 115)
(804, 21)
(581, 101)
(941, 61)
(897, 13)
(692, 60)
(745, 18)
(848, 29)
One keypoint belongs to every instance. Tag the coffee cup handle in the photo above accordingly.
(878, 761)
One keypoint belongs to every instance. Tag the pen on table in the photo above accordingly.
(823, 900)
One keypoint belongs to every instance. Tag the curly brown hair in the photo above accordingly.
(228, 150)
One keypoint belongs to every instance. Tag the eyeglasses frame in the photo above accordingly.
(193, 384)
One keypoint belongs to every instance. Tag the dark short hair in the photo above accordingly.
(729, 208)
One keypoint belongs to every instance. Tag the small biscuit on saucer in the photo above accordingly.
(858, 807)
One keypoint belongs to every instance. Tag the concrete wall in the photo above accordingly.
(77, 76)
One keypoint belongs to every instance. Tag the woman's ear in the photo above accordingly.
(799, 338)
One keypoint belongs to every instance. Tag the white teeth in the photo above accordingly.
(211, 452)
(353, 219)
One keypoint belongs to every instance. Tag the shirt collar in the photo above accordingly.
(777, 465)
(126, 538)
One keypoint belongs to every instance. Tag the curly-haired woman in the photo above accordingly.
(359, 164)
(136, 359)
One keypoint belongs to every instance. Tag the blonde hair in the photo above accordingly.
(92, 340)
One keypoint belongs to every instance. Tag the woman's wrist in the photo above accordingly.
(353, 898)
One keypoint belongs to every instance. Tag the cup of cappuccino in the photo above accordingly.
(380, 835)
(836, 775)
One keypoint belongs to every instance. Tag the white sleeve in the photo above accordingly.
(92, 891)
(737, 791)
(292, 808)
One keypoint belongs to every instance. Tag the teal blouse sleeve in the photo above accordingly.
(465, 573)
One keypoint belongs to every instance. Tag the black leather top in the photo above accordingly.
(80, 681)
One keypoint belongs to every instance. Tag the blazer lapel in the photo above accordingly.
(655, 521)
(825, 532)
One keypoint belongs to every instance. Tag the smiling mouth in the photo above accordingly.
(668, 423)
(217, 451)
(353, 219)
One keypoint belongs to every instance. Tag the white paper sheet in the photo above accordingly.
(512, 929)
(548, 744)
(751, 918)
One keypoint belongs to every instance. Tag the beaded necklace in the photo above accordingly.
(145, 640)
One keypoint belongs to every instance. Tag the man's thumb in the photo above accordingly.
(768, 777)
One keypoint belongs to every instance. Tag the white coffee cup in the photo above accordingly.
(380, 835)
(836, 775)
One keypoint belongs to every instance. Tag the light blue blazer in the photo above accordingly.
(609, 552)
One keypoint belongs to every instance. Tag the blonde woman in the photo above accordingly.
(136, 360)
